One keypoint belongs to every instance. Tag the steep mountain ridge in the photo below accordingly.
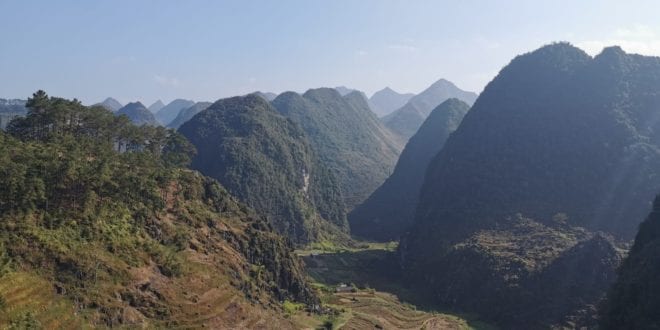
(348, 138)
(406, 120)
(558, 137)
(388, 212)
(267, 162)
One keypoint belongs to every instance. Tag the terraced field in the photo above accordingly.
(375, 304)
(379, 310)
(30, 299)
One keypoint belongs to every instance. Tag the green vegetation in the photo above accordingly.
(266, 161)
(390, 210)
(348, 138)
(558, 141)
(370, 272)
(100, 225)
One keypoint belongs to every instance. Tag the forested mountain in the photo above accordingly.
(634, 299)
(266, 161)
(349, 139)
(406, 120)
(389, 211)
(10, 109)
(165, 115)
(386, 100)
(185, 114)
(156, 106)
(102, 226)
(138, 114)
(556, 142)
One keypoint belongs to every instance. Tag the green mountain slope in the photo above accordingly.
(558, 137)
(266, 161)
(388, 212)
(348, 137)
(100, 226)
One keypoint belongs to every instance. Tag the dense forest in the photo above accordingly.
(105, 213)
(347, 136)
(267, 161)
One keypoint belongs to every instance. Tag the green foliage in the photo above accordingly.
(291, 307)
(349, 139)
(85, 197)
(265, 160)
(25, 322)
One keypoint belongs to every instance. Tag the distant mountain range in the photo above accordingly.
(10, 109)
(186, 114)
(156, 106)
(349, 139)
(110, 104)
(138, 114)
(386, 100)
(406, 120)
(166, 114)
(389, 211)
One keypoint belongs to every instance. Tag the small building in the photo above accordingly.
(344, 288)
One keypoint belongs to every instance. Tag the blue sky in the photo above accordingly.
(205, 50)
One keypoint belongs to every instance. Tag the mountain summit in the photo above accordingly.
(386, 100)
(406, 120)
(349, 139)
(110, 104)
(171, 110)
(156, 106)
(267, 162)
(558, 146)
(138, 114)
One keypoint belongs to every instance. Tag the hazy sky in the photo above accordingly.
(205, 50)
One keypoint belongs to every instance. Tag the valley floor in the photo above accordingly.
(360, 289)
